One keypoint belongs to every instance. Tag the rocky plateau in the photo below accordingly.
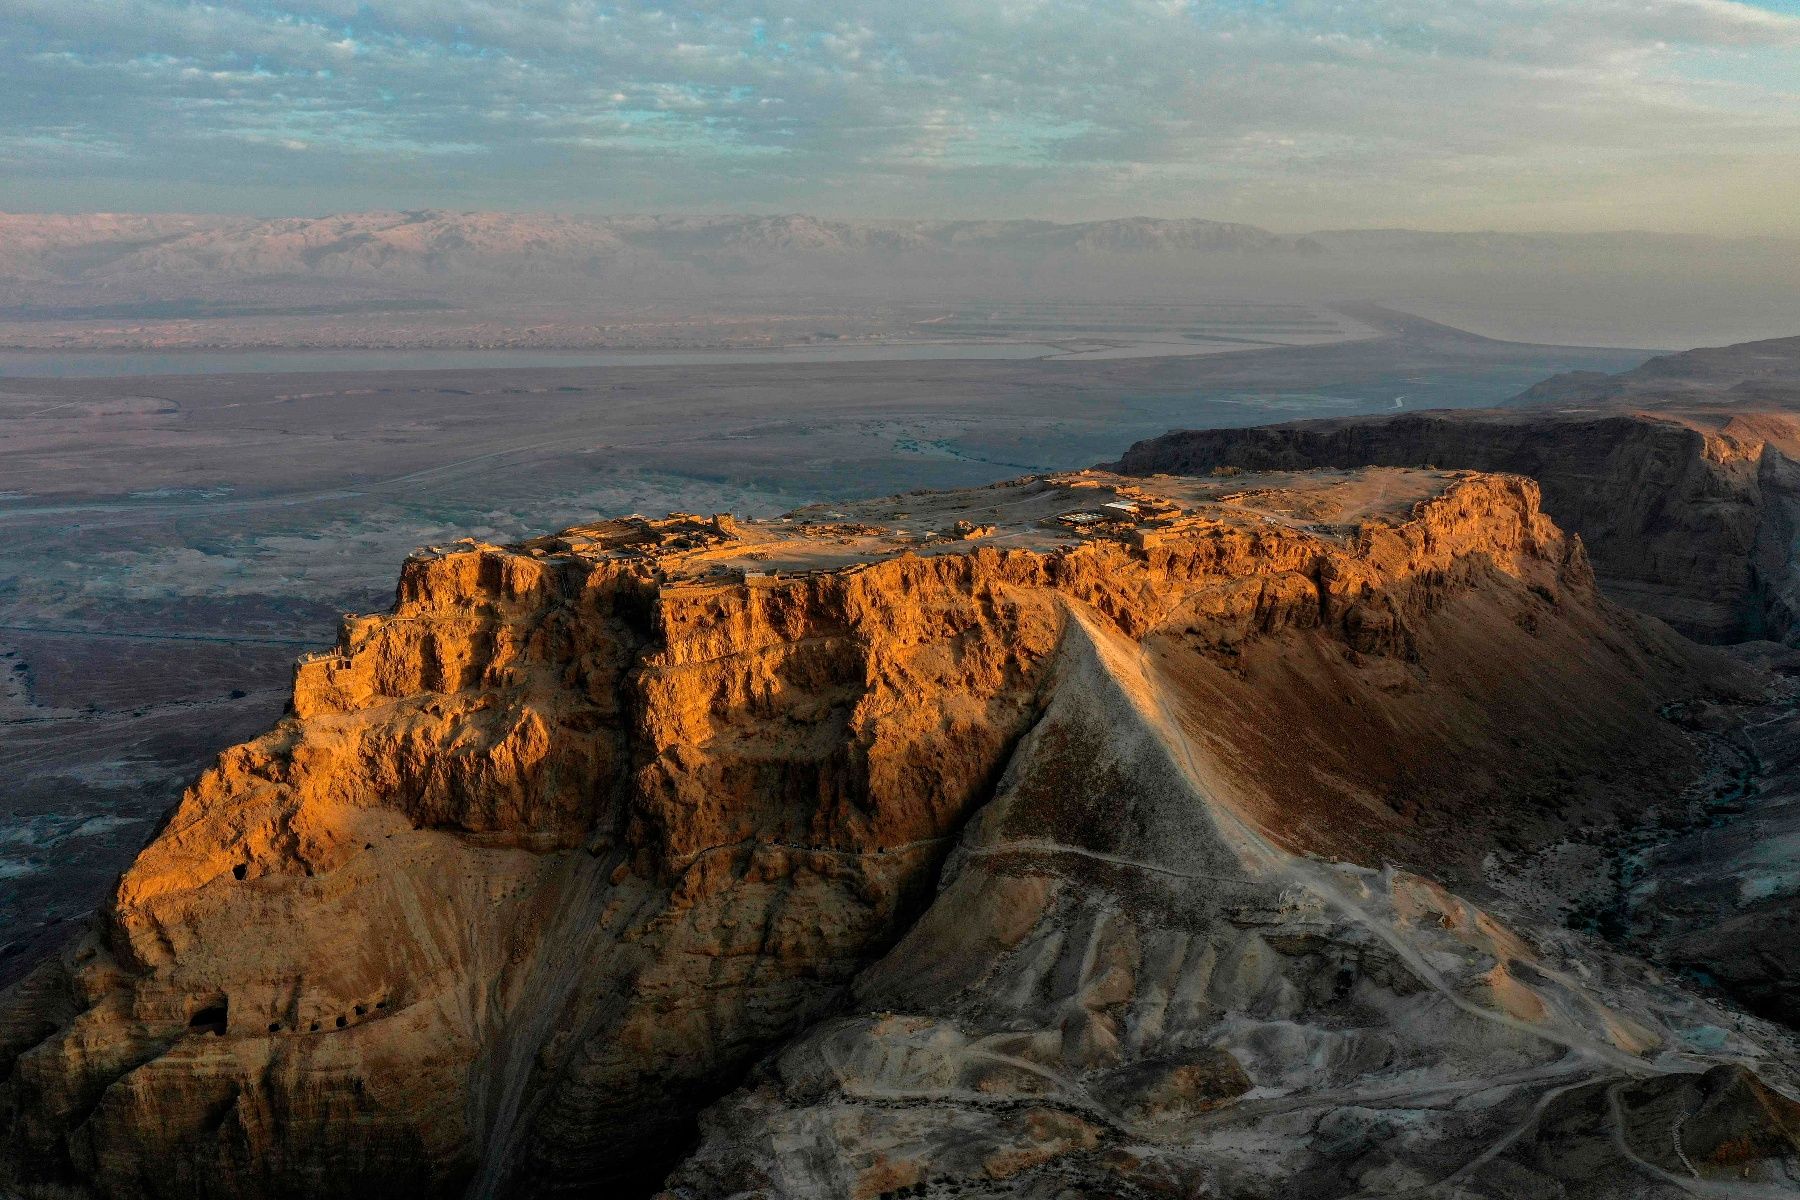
(1682, 475)
(1172, 833)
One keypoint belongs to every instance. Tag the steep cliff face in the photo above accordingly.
(1692, 518)
(1127, 987)
(537, 862)
(544, 860)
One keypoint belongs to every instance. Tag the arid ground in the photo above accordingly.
(172, 543)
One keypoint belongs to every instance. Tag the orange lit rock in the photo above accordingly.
(543, 860)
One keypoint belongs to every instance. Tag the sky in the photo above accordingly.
(1678, 115)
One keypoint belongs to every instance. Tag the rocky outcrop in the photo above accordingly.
(1132, 997)
(1692, 518)
(540, 859)
(1130, 984)
(545, 860)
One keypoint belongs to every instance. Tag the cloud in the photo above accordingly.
(1297, 113)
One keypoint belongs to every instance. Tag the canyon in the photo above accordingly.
(1128, 836)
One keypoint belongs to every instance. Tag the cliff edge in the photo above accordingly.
(1070, 807)
(1691, 516)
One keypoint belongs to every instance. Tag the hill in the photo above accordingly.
(1075, 832)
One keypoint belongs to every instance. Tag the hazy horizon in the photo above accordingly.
(971, 218)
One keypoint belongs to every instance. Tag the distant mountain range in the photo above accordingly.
(103, 247)
(511, 276)
(121, 249)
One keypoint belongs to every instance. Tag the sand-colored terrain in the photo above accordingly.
(1121, 835)
(173, 542)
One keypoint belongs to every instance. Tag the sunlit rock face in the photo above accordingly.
(1682, 474)
(1689, 514)
(1123, 835)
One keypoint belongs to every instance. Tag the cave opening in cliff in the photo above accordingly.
(211, 1019)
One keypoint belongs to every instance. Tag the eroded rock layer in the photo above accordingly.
(1690, 514)
(1117, 993)
(546, 859)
